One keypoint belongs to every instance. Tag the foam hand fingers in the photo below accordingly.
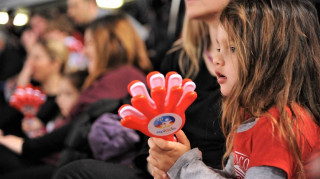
(132, 118)
(188, 96)
(173, 82)
(142, 104)
(136, 88)
(158, 95)
(133, 122)
(161, 114)
(156, 83)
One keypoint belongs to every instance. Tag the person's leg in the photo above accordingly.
(10, 161)
(34, 172)
(94, 169)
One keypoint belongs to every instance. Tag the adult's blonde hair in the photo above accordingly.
(195, 34)
(56, 50)
(117, 44)
(278, 49)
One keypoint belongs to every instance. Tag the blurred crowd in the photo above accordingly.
(82, 58)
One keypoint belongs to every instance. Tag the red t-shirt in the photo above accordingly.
(261, 145)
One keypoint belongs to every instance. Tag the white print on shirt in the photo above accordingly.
(241, 163)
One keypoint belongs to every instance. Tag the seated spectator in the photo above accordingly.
(38, 25)
(68, 92)
(111, 69)
(84, 12)
(61, 28)
(11, 61)
(44, 64)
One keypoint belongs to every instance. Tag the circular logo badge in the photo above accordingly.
(165, 124)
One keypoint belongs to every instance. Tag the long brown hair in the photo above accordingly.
(277, 44)
(117, 44)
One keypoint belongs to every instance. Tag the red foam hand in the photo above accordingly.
(27, 99)
(163, 113)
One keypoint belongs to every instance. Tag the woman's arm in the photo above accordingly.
(47, 144)
(37, 147)
(12, 142)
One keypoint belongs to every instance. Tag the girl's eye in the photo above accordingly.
(218, 49)
(233, 49)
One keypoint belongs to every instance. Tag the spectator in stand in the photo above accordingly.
(11, 58)
(83, 12)
(116, 55)
(61, 28)
(11, 62)
(270, 86)
(45, 64)
(69, 89)
(38, 25)
(190, 58)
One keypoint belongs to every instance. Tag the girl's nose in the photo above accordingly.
(218, 60)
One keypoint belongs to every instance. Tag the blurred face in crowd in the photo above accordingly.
(38, 24)
(67, 96)
(90, 51)
(41, 64)
(204, 9)
(81, 11)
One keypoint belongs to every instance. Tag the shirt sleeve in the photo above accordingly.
(190, 166)
(269, 149)
(47, 144)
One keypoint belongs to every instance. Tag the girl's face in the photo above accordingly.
(225, 62)
(200, 9)
(41, 64)
(90, 51)
(67, 96)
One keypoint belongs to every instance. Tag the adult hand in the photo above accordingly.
(12, 142)
(24, 77)
(163, 154)
(28, 39)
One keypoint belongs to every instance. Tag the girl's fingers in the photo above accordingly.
(182, 138)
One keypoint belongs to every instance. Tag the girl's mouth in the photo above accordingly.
(220, 77)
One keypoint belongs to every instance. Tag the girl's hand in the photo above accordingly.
(12, 142)
(163, 154)
(157, 173)
(33, 127)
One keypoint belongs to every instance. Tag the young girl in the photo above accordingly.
(189, 59)
(268, 69)
(68, 94)
(45, 64)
